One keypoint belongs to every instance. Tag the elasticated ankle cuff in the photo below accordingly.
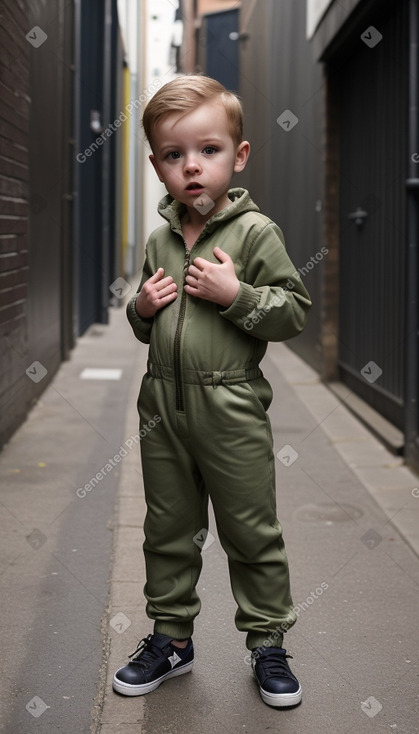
(257, 640)
(176, 630)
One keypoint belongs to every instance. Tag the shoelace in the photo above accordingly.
(146, 653)
(276, 665)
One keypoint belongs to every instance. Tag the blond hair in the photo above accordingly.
(186, 92)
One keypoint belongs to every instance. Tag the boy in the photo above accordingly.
(217, 285)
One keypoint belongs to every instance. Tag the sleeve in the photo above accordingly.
(272, 304)
(141, 327)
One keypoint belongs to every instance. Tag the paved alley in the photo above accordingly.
(73, 572)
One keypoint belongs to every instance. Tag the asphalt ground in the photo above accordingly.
(72, 571)
(56, 547)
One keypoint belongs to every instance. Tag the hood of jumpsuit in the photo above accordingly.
(173, 210)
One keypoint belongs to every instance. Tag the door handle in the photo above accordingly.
(359, 215)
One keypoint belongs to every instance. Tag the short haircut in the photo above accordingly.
(186, 92)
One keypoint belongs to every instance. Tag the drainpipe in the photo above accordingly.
(412, 280)
(76, 169)
(106, 161)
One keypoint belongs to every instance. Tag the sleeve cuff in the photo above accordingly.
(246, 300)
(140, 326)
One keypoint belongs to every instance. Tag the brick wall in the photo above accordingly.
(14, 208)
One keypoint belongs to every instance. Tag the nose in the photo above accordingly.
(192, 164)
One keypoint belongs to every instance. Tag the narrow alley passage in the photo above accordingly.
(72, 534)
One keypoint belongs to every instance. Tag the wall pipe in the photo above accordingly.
(412, 279)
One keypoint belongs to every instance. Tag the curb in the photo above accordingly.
(124, 621)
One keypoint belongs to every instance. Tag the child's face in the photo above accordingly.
(194, 154)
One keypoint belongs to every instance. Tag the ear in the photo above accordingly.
(152, 158)
(242, 154)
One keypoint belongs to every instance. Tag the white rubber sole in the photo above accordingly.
(128, 690)
(282, 699)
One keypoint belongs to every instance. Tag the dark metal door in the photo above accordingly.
(98, 68)
(218, 48)
(373, 134)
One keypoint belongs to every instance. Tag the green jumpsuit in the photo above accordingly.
(214, 438)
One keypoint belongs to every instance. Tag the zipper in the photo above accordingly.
(177, 357)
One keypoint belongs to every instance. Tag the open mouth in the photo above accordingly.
(194, 187)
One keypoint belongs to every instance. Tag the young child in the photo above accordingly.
(217, 285)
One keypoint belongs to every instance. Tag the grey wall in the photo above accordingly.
(285, 170)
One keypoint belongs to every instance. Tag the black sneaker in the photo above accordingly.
(278, 686)
(155, 660)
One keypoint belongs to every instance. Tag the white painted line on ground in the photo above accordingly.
(97, 373)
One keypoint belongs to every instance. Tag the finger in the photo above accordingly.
(167, 299)
(164, 282)
(171, 288)
(199, 263)
(158, 275)
(221, 255)
(191, 280)
(191, 290)
(195, 272)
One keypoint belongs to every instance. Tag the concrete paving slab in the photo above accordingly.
(359, 450)
(127, 564)
(135, 728)
(132, 512)
(126, 595)
(377, 469)
(385, 477)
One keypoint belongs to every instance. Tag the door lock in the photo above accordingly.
(359, 215)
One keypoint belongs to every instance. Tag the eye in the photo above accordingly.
(210, 149)
(173, 155)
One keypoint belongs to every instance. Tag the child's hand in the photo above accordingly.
(156, 292)
(213, 282)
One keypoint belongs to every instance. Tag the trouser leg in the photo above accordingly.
(177, 510)
(235, 455)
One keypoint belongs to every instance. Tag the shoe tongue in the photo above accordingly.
(160, 640)
(274, 651)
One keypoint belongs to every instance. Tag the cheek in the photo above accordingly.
(222, 171)
(170, 174)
